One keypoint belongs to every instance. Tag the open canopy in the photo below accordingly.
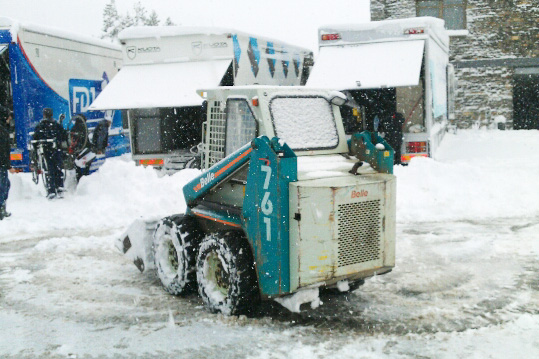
(367, 66)
(160, 85)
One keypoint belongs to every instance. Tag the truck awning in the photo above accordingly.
(367, 66)
(160, 85)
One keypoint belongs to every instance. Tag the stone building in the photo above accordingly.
(495, 50)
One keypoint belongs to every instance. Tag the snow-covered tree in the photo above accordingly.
(140, 17)
(153, 20)
(113, 23)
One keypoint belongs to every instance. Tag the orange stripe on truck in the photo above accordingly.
(217, 220)
(233, 162)
(152, 162)
(198, 187)
(16, 157)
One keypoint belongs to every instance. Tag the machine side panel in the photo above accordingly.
(266, 214)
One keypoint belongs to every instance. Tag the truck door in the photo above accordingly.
(6, 90)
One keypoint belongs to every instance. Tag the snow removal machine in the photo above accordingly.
(286, 204)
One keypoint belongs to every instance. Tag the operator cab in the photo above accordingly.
(308, 121)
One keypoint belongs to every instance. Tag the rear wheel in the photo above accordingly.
(44, 171)
(226, 274)
(175, 245)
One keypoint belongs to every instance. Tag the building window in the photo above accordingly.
(452, 11)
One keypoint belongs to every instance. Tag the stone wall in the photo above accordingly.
(392, 9)
(482, 94)
(497, 29)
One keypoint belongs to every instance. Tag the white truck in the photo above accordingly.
(163, 68)
(389, 67)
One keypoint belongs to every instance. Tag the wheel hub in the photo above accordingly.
(172, 256)
(217, 274)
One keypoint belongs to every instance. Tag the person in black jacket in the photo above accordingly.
(5, 160)
(48, 129)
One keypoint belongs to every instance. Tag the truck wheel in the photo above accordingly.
(175, 244)
(226, 274)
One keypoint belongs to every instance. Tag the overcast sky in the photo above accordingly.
(293, 21)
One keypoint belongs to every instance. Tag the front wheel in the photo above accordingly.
(226, 274)
(43, 166)
(175, 244)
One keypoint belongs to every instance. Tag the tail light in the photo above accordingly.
(15, 156)
(414, 31)
(151, 162)
(327, 37)
(416, 147)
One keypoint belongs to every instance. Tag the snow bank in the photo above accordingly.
(477, 174)
(113, 197)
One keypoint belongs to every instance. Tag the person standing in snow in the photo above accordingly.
(5, 160)
(48, 129)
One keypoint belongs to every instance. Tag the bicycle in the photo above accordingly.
(39, 164)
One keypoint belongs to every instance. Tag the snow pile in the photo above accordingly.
(294, 301)
(292, 115)
(113, 197)
(477, 174)
(328, 166)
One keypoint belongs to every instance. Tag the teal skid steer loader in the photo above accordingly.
(286, 204)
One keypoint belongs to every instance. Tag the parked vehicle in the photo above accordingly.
(389, 67)
(163, 68)
(287, 204)
(44, 67)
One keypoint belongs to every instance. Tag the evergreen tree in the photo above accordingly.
(113, 23)
(153, 20)
(140, 17)
(127, 21)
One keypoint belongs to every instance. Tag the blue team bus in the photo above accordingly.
(44, 67)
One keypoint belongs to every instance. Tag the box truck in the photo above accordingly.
(389, 67)
(164, 66)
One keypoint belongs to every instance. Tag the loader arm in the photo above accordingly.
(201, 185)
(363, 146)
(264, 214)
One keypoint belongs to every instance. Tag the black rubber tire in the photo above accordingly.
(175, 245)
(226, 274)
(44, 172)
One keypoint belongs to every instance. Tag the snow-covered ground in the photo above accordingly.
(466, 283)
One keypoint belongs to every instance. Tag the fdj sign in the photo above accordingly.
(82, 93)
